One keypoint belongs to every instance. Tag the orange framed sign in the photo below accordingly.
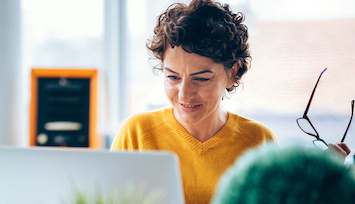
(63, 108)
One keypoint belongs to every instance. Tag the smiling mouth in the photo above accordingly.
(191, 106)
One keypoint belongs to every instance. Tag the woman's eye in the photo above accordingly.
(172, 77)
(201, 79)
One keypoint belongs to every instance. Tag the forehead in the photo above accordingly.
(177, 58)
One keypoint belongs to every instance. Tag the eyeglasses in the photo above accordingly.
(307, 127)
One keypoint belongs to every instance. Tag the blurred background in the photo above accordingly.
(292, 41)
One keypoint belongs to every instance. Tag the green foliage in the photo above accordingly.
(289, 175)
(97, 197)
(130, 195)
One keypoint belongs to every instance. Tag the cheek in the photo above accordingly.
(170, 90)
(212, 93)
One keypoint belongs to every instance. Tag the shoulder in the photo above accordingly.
(253, 129)
(149, 115)
(134, 131)
(146, 120)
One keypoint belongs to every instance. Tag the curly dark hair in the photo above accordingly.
(206, 28)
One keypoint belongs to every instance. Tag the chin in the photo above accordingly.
(189, 118)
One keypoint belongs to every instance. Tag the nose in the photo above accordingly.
(186, 91)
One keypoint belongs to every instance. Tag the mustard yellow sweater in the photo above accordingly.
(202, 164)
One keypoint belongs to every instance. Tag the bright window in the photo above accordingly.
(60, 34)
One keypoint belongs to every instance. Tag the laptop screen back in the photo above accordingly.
(35, 175)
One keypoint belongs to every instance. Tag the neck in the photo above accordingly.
(205, 130)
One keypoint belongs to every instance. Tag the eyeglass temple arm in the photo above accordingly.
(351, 118)
(314, 90)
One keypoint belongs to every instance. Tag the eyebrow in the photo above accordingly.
(201, 72)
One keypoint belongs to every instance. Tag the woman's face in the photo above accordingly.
(194, 85)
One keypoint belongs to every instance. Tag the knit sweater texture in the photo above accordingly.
(202, 163)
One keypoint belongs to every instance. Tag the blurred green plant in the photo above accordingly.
(130, 195)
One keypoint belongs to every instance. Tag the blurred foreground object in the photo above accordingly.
(292, 174)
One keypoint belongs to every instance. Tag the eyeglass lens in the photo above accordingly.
(306, 127)
(320, 144)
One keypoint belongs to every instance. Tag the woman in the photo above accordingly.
(204, 52)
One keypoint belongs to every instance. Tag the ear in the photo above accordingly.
(231, 75)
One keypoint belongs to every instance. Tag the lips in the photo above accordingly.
(186, 106)
(189, 108)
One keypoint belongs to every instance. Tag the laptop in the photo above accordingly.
(44, 175)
